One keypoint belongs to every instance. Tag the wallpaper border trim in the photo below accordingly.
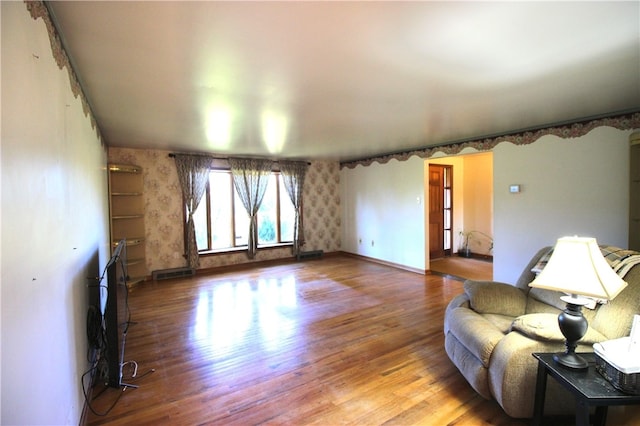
(38, 9)
(573, 130)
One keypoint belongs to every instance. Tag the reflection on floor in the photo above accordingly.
(461, 268)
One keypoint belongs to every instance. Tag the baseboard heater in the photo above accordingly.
(313, 254)
(165, 274)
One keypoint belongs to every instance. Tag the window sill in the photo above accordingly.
(240, 249)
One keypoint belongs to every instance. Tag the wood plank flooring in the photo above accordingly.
(332, 341)
(462, 268)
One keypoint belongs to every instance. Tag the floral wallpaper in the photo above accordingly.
(163, 211)
(321, 209)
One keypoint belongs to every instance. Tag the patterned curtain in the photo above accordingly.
(193, 173)
(250, 178)
(293, 173)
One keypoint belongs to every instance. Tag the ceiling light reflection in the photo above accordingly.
(275, 126)
(218, 127)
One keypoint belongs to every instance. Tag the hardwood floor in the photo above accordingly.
(462, 268)
(332, 341)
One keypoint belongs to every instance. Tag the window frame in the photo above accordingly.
(239, 248)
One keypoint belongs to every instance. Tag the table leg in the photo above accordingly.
(582, 414)
(601, 415)
(541, 388)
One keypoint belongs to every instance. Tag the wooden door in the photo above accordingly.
(440, 210)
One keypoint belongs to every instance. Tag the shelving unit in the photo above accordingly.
(126, 208)
(634, 192)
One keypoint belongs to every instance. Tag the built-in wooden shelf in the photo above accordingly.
(126, 207)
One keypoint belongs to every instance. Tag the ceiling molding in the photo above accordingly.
(624, 121)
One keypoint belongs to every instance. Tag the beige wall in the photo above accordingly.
(163, 211)
(478, 200)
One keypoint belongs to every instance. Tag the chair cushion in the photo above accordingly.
(502, 322)
(544, 327)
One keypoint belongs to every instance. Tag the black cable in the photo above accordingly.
(86, 396)
(94, 327)
(97, 348)
(96, 335)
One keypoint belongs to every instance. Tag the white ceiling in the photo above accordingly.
(345, 80)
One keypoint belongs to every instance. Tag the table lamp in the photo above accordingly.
(578, 268)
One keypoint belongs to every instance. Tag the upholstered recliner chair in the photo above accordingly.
(492, 329)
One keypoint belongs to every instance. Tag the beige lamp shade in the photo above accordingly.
(577, 267)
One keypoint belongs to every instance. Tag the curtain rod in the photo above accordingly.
(173, 154)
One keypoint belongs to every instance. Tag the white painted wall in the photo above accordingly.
(54, 228)
(383, 215)
(569, 187)
(576, 186)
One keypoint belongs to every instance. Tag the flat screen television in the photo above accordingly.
(116, 314)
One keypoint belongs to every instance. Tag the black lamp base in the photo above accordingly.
(571, 360)
(573, 326)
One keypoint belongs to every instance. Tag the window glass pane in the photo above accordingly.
(447, 177)
(221, 224)
(268, 214)
(287, 215)
(241, 221)
(447, 198)
(229, 221)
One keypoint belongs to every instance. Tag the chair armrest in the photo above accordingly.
(460, 301)
(491, 297)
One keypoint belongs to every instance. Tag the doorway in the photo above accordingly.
(440, 210)
(471, 184)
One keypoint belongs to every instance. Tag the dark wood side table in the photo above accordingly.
(587, 386)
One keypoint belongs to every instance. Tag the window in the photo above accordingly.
(221, 220)
(448, 208)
